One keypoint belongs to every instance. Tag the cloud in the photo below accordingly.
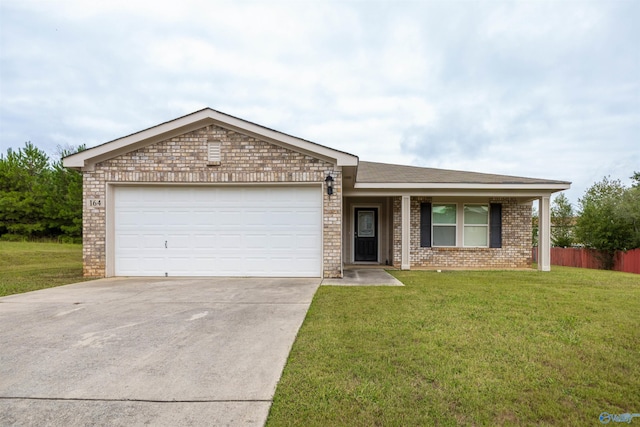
(547, 89)
(455, 134)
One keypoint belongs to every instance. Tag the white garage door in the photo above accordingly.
(218, 231)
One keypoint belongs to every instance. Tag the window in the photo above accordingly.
(444, 218)
(476, 225)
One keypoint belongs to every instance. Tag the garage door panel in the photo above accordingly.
(280, 241)
(304, 216)
(203, 240)
(281, 218)
(151, 241)
(307, 242)
(203, 263)
(220, 231)
(179, 266)
(174, 216)
(229, 200)
(130, 197)
(179, 241)
(226, 217)
(136, 241)
(228, 241)
(280, 266)
(181, 195)
(201, 218)
(130, 217)
(154, 265)
(229, 266)
(259, 242)
(129, 241)
(255, 265)
(256, 218)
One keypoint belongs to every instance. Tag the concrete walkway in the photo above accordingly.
(162, 352)
(364, 277)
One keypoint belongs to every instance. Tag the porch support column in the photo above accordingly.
(405, 260)
(544, 234)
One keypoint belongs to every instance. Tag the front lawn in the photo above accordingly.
(29, 266)
(467, 348)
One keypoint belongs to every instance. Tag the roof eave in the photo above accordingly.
(560, 186)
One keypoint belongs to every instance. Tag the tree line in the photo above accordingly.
(607, 218)
(39, 198)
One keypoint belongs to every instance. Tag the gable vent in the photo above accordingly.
(214, 153)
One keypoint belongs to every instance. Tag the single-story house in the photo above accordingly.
(209, 194)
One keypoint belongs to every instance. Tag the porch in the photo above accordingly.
(408, 232)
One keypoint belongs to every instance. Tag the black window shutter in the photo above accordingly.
(425, 225)
(495, 225)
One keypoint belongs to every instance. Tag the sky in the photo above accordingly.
(546, 89)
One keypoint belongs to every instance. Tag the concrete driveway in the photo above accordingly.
(140, 351)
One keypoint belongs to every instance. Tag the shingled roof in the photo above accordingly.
(371, 172)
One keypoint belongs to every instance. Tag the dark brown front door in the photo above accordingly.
(366, 234)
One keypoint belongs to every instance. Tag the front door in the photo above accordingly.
(366, 234)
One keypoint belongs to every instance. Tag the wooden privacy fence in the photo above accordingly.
(588, 258)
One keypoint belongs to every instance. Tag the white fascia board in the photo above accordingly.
(198, 120)
(461, 186)
(72, 162)
(530, 194)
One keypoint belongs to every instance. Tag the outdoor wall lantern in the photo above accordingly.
(329, 181)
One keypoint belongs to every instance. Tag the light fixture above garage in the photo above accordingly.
(329, 181)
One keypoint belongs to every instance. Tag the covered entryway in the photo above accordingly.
(367, 233)
(261, 231)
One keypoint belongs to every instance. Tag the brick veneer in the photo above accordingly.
(183, 159)
(514, 253)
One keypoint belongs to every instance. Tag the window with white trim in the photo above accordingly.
(476, 226)
(443, 220)
(469, 229)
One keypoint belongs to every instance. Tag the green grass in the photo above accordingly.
(467, 348)
(29, 266)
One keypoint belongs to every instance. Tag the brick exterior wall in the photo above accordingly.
(184, 159)
(514, 253)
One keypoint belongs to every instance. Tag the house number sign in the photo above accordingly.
(95, 203)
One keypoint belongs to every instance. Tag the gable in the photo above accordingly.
(190, 153)
(201, 119)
